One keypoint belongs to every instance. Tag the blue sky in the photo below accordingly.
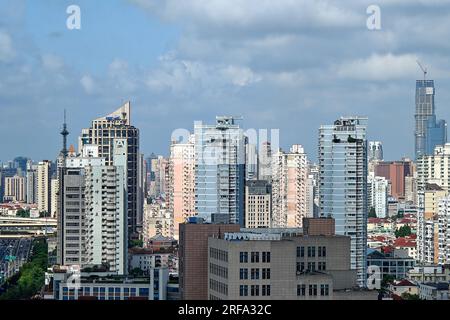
(289, 64)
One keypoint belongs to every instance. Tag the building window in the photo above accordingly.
(254, 291)
(300, 252)
(301, 290)
(243, 257)
(266, 257)
(266, 273)
(300, 266)
(243, 274)
(322, 266)
(255, 274)
(243, 291)
(266, 290)
(324, 290)
(255, 257)
(313, 289)
(322, 251)
(311, 266)
(311, 252)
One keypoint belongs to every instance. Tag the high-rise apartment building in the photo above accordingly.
(31, 176)
(160, 171)
(395, 172)
(434, 168)
(265, 162)
(44, 186)
(251, 161)
(258, 204)
(290, 188)
(92, 212)
(158, 221)
(54, 189)
(343, 184)
(429, 132)
(375, 151)
(428, 223)
(220, 171)
(444, 231)
(102, 133)
(181, 195)
(378, 195)
(15, 189)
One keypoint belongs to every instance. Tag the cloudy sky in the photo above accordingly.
(287, 64)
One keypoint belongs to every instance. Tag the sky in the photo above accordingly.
(291, 65)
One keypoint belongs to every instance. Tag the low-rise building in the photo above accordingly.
(393, 264)
(64, 284)
(429, 274)
(281, 264)
(434, 291)
(402, 287)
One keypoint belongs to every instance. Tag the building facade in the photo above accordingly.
(181, 195)
(343, 184)
(220, 171)
(258, 204)
(290, 185)
(102, 134)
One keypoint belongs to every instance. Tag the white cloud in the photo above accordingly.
(380, 67)
(88, 84)
(7, 52)
(52, 62)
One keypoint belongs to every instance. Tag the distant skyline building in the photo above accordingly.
(290, 171)
(396, 172)
(375, 151)
(434, 168)
(15, 189)
(343, 184)
(103, 133)
(258, 204)
(44, 186)
(429, 132)
(251, 154)
(378, 195)
(220, 171)
(265, 162)
(181, 184)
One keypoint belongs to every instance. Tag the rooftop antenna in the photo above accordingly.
(64, 133)
(424, 70)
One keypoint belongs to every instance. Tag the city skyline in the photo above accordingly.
(276, 74)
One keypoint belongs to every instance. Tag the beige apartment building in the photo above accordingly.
(44, 186)
(15, 189)
(181, 184)
(258, 204)
(290, 188)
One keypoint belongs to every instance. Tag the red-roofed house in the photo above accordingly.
(403, 286)
(406, 244)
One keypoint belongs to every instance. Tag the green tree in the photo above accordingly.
(135, 243)
(409, 296)
(23, 213)
(31, 276)
(372, 213)
(403, 231)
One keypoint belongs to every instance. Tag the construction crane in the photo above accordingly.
(424, 70)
